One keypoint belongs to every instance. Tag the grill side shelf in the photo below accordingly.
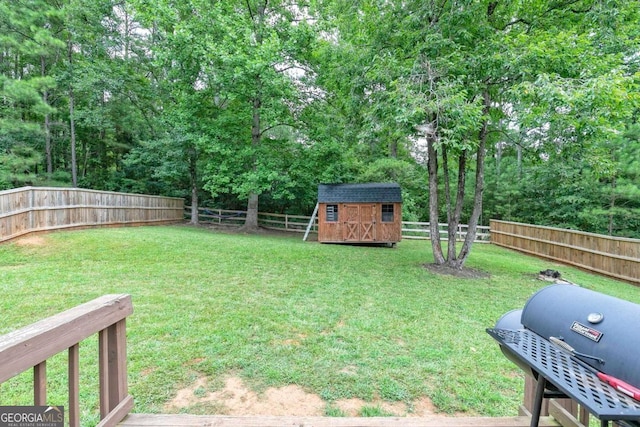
(571, 376)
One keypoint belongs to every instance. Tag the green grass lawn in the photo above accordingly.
(338, 321)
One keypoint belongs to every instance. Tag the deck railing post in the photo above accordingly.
(117, 366)
(74, 386)
(40, 384)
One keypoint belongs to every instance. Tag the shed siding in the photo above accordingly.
(349, 229)
(391, 231)
(359, 216)
(329, 231)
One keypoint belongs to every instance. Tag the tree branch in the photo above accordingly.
(265, 130)
(557, 6)
(250, 10)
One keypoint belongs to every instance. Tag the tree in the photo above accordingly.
(570, 113)
(260, 64)
(455, 70)
(71, 54)
(182, 74)
(28, 38)
(104, 73)
(18, 166)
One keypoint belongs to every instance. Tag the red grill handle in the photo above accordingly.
(620, 385)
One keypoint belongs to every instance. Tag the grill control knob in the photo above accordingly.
(595, 318)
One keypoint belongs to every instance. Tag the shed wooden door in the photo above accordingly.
(359, 223)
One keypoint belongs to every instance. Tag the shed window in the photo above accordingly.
(387, 213)
(332, 213)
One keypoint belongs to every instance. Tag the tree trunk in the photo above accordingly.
(193, 176)
(479, 189)
(72, 125)
(393, 148)
(195, 220)
(47, 123)
(454, 219)
(519, 151)
(499, 149)
(451, 247)
(612, 206)
(251, 221)
(432, 165)
(86, 155)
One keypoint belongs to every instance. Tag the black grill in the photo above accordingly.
(569, 339)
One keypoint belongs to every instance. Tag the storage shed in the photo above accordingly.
(360, 213)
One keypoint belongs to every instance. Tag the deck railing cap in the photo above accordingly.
(33, 344)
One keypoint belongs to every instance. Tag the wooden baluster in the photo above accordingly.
(117, 341)
(74, 386)
(40, 384)
(103, 361)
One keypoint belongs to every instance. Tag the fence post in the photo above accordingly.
(31, 204)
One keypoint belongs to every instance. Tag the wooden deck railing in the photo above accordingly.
(38, 209)
(31, 346)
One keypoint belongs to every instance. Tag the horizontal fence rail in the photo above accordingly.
(31, 347)
(420, 230)
(299, 223)
(37, 209)
(611, 256)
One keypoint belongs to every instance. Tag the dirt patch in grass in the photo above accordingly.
(464, 272)
(420, 408)
(236, 399)
(31, 241)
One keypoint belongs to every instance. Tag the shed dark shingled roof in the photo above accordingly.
(360, 193)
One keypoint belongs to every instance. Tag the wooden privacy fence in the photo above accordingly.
(31, 346)
(299, 223)
(37, 209)
(611, 256)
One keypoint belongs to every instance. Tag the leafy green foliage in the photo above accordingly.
(228, 99)
(19, 165)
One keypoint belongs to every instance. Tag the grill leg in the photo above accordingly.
(537, 402)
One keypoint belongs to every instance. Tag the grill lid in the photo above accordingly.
(601, 330)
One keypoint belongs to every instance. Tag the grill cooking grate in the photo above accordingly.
(568, 374)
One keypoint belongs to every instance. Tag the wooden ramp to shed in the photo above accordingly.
(183, 420)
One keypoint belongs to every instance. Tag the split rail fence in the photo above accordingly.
(610, 256)
(37, 209)
(299, 223)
